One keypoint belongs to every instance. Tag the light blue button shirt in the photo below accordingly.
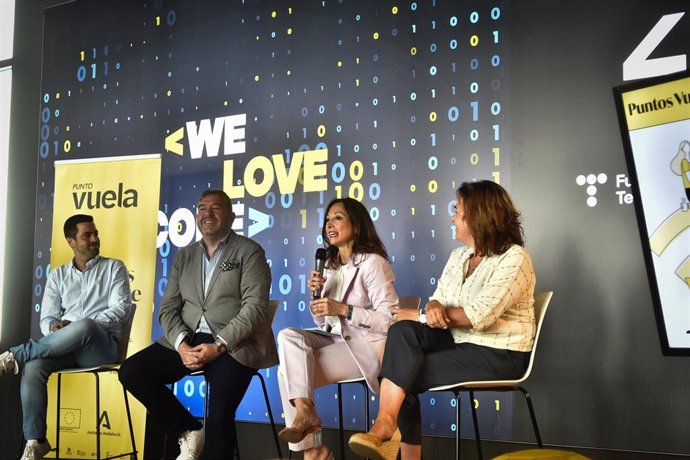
(101, 292)
(208, 265)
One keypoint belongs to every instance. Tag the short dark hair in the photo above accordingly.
(365, 238)
(493, 221)
(221, 193)
(70, 227)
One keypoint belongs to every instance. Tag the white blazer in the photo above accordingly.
(368, 287)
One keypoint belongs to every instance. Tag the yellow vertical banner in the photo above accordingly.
(122, 195)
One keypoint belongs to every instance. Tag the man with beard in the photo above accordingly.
(85, 304)
(215, 317)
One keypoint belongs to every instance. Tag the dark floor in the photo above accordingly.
(256, 442)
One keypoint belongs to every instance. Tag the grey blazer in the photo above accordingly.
(236, 308)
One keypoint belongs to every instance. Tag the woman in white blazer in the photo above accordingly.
(353, 315)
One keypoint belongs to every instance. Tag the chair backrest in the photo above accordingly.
(409, 301)
(123, 342)
(541, 304)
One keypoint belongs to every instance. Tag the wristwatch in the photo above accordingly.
(221, 346)
(422, 318)
(349, 312)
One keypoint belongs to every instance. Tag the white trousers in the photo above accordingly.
(309, 360)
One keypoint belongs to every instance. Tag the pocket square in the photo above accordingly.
(229, 265)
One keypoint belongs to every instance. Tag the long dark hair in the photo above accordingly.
(365, 238)
(493, 221)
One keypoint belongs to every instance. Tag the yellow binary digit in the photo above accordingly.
(303, 213)
(356, 191)
(356, 170)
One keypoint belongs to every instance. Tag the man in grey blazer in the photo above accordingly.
(215, 316)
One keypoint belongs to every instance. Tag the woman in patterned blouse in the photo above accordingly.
(478, 325)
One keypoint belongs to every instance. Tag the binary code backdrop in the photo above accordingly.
(392, 103)
(288, 104)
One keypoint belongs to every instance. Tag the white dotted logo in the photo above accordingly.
(591, 181)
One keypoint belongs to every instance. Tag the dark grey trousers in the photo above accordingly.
(418, 357)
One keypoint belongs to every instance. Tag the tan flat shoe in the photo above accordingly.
(369, 446)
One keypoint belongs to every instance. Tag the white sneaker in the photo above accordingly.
(8, 364)
(34, 450)
(191, 444)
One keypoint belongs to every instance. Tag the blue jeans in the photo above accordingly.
(82, 343)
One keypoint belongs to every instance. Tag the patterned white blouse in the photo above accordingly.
(498, 298)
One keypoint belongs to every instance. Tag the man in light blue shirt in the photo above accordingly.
(85, 303)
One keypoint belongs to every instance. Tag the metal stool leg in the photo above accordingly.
(531, 414)
(457, 425)
(476, 426)
(57, 418)
(341, 427)
(270, 414)
(98, 418)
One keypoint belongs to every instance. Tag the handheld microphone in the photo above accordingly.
(320, 263)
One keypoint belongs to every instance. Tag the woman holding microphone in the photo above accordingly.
(352, 315)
